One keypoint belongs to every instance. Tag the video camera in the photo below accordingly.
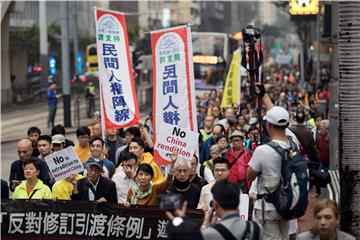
(251, 34)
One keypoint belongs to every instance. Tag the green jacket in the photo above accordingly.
(42, 191)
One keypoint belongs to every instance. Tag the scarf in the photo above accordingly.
(182, 185)
(138, 194)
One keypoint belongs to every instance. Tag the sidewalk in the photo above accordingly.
(16, 120)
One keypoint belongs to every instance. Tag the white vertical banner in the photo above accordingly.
(174, 85)
(119, 107)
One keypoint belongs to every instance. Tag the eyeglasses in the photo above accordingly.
(223, 170)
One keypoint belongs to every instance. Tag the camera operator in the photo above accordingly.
(224, 206)
(254, 137)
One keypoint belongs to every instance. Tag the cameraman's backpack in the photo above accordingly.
(291, 196)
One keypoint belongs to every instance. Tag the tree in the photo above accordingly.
(26, 38)
(349, 115)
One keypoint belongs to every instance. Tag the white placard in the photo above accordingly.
(244, 206)
(176, 140)
(63, 163)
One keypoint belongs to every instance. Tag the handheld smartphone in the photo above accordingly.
(170, 202)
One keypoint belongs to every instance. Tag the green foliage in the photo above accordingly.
(26, 38)
(85, 40)
(54, 30)
(133, 31)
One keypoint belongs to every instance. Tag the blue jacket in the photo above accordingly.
(52, 100)
(205, 150)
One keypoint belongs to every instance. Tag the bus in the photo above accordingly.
(211, 55)
(91, 58)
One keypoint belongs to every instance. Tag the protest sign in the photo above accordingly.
(118, 101)
(63, 163)
(174, 86)
(233, 83)
(46, 219)
(177, 140)
(244, 206)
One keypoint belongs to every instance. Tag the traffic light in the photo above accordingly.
(52, 65)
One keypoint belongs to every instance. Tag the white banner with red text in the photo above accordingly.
(174, 85)
(119, 107)
(180, 141)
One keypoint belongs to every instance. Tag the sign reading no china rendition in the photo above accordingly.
(64, 163)
(174, 86)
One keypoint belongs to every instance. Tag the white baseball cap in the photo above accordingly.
(277, 116)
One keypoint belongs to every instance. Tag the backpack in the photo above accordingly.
(291, 196)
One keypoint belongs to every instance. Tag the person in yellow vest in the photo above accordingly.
(32, 187)
(90, 98)
(82, 149)
(136, 146)
(62, 190)
(206, 132)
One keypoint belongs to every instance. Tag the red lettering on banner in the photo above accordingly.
(176, 141)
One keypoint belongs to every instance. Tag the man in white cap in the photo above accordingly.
(265, 164)
(58, 142)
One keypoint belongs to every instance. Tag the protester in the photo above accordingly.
(24, 149)
(96, 118)
(205, 146)
(215, 151)
(326, 216)
(97, 131)
(266, 164)
(221, 171)
(32, 187)
(145, 136)
(33, 134)
(62, 189)
(82, 149)
(124, 177)
(45, 146)
(113, 142)
(90, 98)
(58, 142)
(238, 157)
(144, 192)
(4, 190)
(206, 132)
(136, 146)
(94, 187)
(323, 145)
(194, 177)
(241, 125)
(222, 141)
(96, 150)
(59, 129)
(130, 133)
(182, 184)
(253, 134)
(225, 206)
(52, 96)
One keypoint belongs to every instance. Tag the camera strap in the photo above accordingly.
(226, 234)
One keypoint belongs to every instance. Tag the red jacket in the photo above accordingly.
(238, 168)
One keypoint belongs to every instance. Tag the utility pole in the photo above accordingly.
(334, 88)
(76, 71)
(318, 47)
(64, 10)
(43, 43)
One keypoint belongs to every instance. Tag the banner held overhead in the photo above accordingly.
(119, 106)
(174, 86)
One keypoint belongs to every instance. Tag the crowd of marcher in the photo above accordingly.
(233, 158)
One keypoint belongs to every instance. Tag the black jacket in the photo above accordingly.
(305, 137)
(105, 188)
